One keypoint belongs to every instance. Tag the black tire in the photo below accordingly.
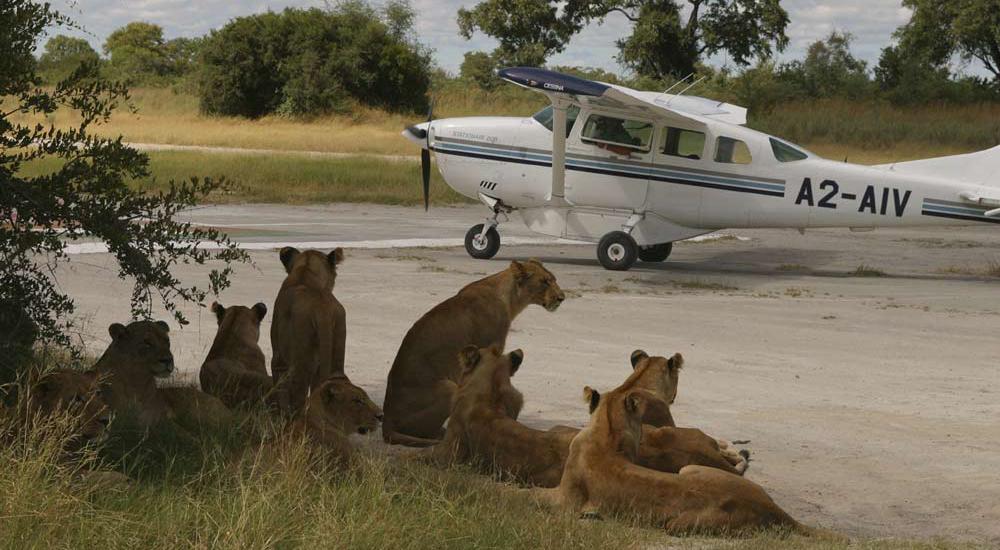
(482, 250)
(617, 251)
(656, 253)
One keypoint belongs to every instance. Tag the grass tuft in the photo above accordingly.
(865, 270)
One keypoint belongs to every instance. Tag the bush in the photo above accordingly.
(311, 62)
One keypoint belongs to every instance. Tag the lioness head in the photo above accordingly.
(340, 405)
(322, 267)
(659, 376)
(147, 343)
(485, 379)
(537, 283)
(240, 318)
(73, 393)
(622, 409)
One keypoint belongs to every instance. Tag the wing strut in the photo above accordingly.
(558, 191)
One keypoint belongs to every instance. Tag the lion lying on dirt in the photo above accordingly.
(335, 410)
(425, 372)
(483, 427)
(309, 327)
(139, 354)
(235, 369)
(600, 476)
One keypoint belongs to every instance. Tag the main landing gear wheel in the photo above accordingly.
(479, 246)
(656, 253)
(617, 251)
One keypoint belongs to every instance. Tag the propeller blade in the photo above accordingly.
(425, 171)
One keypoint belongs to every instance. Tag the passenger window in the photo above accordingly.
(633, 134)
(784, 152)
(732, 151)
(678, 142)
(545, 116)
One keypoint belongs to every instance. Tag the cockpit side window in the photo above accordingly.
(732, 151)
(784, 152)
(679, 142)
(633, 134)
(544, 117)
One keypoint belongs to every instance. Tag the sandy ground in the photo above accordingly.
(872, 403)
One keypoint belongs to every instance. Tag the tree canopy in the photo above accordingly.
(669, 37)
(62, 55)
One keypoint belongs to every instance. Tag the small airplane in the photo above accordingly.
(636, 171)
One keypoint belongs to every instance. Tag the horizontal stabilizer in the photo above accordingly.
(980, 168)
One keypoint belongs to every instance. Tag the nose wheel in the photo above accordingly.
(617, 251)
(480, 244)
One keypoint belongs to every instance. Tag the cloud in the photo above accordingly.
(871, 22)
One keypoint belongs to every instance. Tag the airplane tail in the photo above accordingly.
(979, 168)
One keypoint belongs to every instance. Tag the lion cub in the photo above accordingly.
(600, 476)
(235, 370)
(309, 327)
(335, 410)
(483, 429)
(426, 371)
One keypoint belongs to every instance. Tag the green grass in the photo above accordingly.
(291, 178)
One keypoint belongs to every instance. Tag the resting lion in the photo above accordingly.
(308, 330)
(139, 354)
(235, 370)
(425, 372)
(336, 409)
(483, 427)
(600, 476)
(73, 393)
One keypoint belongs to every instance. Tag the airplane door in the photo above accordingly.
(607, 161)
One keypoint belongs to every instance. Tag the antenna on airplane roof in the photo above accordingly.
(689, 86)
(675, 84)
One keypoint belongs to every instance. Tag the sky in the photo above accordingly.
(871, 22)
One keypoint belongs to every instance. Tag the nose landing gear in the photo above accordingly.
(482, 241)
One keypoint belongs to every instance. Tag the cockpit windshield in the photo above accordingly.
(783, 152)
(544, 117)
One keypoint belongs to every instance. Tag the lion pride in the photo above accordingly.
(483, 427)
(600, 476)
(309, 327)
(235, 369)
(426, 371)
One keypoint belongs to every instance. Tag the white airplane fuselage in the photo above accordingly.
(509, 158)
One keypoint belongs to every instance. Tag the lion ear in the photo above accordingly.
(287, 256)
(163, 325)
(676, 362)
(633, 403)
(516, 358)
(592, 397)
(261, 310)
(469, 357)
(117, 330)
(637, 355)
(219, 311)
(336, 257)
(519, 270)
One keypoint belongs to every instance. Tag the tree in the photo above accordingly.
(663, 40)
(62, 55)
(137, 53)
(479, 67)
(940, 28)
(829, 69)
(83, 195)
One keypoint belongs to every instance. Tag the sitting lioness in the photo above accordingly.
(309, 327)
(235, 370)
(425, 374)
(600, 476)
(483, 429)
(335, 410)
(139, 353)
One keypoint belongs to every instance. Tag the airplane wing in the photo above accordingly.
(583, 92)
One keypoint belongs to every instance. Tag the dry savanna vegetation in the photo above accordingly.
(858, 131)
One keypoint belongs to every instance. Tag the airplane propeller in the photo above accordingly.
(425, 159)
